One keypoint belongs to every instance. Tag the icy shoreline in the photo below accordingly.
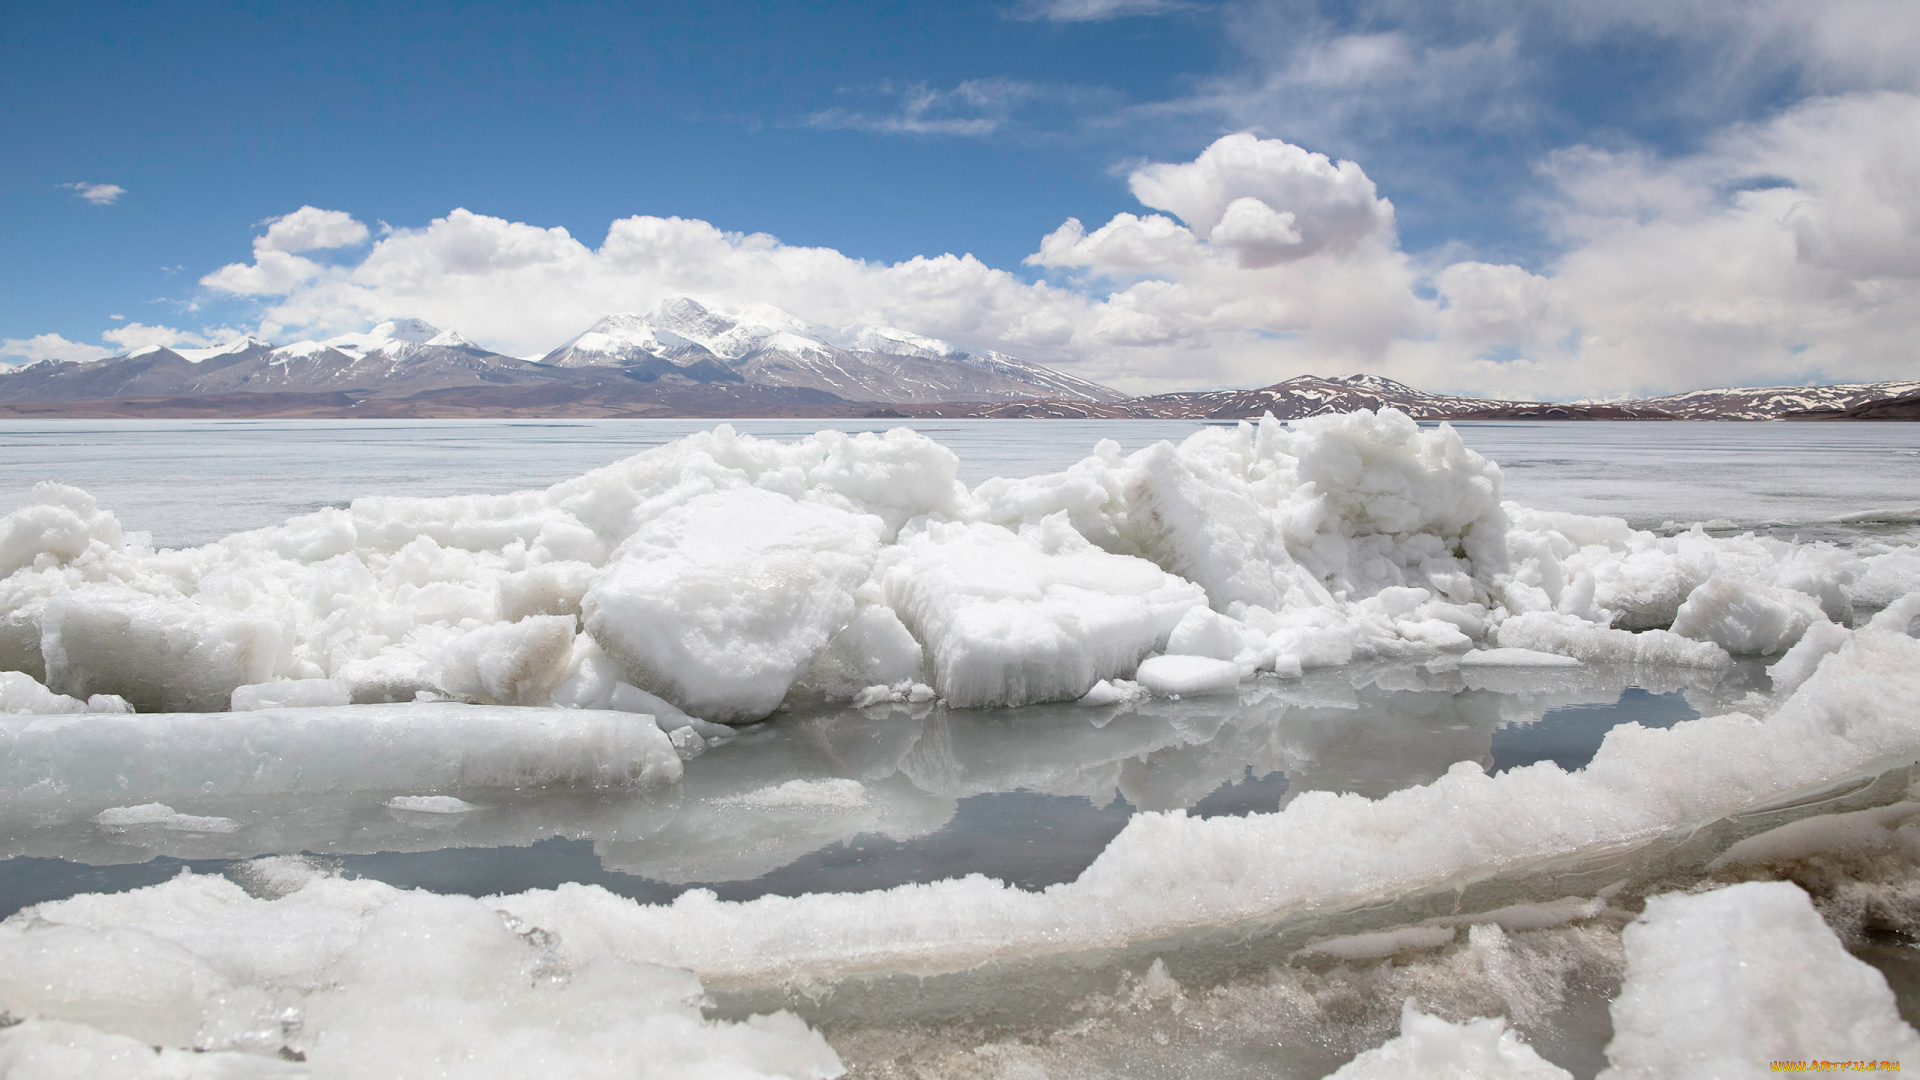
(586, 636)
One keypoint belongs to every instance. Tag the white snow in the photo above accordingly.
(237, 345)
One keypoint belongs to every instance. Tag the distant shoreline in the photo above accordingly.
(347, 406)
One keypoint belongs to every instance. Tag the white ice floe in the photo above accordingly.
(1725, 983)
(1173, 674)
(22, 694)
(720, 572)
(1112, 692)
(721, 604)
(351, 748)
(431, 804)
(120, 818)
(1039, 615)
(1746, 616)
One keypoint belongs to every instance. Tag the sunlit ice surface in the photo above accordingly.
(1241, 878)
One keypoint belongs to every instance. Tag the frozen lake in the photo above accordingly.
(191, 481)
(844, 810)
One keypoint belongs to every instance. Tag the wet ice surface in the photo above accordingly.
(1028, 796)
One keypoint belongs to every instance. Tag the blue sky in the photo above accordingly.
(1530, 152)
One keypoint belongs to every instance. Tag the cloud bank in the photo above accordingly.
(1784, 251)
(1781, 251)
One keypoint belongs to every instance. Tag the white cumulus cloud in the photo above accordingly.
(139, 336)
(1127, 244)
(97, 194)
(1328, 204)
(120, 340)
(48, 347)
(311, 229)
(277, 268)
(1782, 252)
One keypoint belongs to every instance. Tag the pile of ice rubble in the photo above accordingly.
(204, 976)
(718, 575)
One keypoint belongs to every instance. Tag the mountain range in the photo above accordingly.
(685, 359)
(1312, 395)
(761, 355)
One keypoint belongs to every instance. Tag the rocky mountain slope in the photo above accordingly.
(1776, 402)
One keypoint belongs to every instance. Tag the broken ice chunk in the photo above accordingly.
(1186, 675)
(719, 605)
(1042, 615)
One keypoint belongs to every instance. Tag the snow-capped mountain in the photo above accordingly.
(767, 346)
(1312, 395)
(402, 356)
(684, 358)
(1774, 402)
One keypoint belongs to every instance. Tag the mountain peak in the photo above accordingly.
(418, 331)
